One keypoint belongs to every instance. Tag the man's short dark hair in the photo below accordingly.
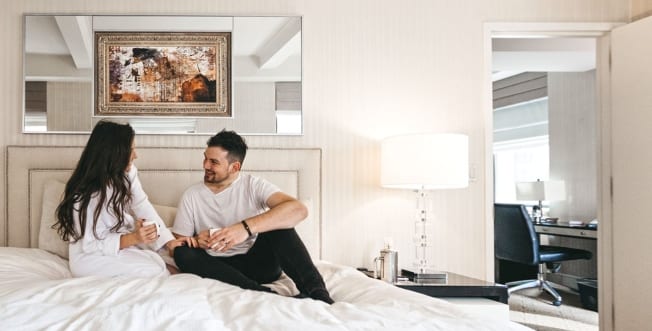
(231, 142)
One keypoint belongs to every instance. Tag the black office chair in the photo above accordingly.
(515, 240)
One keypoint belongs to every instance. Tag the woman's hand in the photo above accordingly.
(140, 235)
(145, 234)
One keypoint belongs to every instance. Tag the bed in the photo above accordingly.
(37, 290)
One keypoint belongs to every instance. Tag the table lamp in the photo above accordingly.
(550, 190)
(423, 162)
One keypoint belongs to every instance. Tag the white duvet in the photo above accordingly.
(37, 293)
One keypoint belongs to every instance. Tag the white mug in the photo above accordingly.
(148, 223)
(210, 234)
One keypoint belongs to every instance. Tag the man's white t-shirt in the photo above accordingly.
(201, 209)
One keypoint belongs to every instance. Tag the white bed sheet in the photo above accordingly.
(37, 293)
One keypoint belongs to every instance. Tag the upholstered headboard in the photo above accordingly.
(164, 173)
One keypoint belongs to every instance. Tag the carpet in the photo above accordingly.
(533, 309)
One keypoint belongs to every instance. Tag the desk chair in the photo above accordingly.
(515, 240)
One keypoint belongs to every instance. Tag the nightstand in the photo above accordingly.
(470, 294)
(454, 286)
(458, 286)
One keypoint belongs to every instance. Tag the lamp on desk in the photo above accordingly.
(550, 190)
(423, 162)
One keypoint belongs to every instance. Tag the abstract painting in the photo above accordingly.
(154, 73)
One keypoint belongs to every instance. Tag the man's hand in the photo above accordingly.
(181, 241)
(224, 239)
(202, 239)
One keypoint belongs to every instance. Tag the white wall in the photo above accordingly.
(371, 69)
(573, 112)
(574, 148)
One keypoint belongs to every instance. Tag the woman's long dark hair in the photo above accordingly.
(102, 165)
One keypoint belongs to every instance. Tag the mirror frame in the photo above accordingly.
(171, 122)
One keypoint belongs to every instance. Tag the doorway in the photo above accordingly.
(532, 31)
(545, 129)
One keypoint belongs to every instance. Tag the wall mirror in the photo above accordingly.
(265, 73)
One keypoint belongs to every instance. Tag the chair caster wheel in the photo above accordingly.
(556, 303)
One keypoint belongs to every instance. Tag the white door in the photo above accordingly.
(631, 161)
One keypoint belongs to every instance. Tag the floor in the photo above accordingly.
(533, 309)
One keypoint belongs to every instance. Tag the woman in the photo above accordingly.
(104, 208)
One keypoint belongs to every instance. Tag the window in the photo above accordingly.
(288, 122)
(521, 152)
(519, 161)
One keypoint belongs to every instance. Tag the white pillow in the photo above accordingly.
(48, 238)
(167, 214)
(308, 203)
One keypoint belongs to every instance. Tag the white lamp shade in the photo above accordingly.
(425, 161)
(550, 190)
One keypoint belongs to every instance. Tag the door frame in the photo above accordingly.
(600, 31)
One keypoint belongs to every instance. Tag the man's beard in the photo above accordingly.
(210, 178)
(213, 178)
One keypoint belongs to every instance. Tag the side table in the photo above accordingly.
(458, 286)
(470, 294)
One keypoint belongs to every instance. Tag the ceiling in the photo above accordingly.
(269, 40)
(512, 56)
(65, 35)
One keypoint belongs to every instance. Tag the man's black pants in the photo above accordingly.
(272, 252)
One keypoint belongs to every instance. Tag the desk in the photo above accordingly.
(565, 230)
(506, 271)
(574, 271)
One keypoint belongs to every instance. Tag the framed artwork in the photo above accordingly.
(163, 73)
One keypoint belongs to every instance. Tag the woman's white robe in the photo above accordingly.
(103, 257)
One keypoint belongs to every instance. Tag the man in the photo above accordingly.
(243, 226)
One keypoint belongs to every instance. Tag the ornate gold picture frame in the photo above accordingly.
(169, 73)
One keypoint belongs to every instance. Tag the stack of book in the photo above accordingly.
(427, 277)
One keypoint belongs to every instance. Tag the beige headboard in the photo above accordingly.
(164, 173)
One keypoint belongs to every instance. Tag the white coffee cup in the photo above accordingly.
(148, 223)
(210, 234)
